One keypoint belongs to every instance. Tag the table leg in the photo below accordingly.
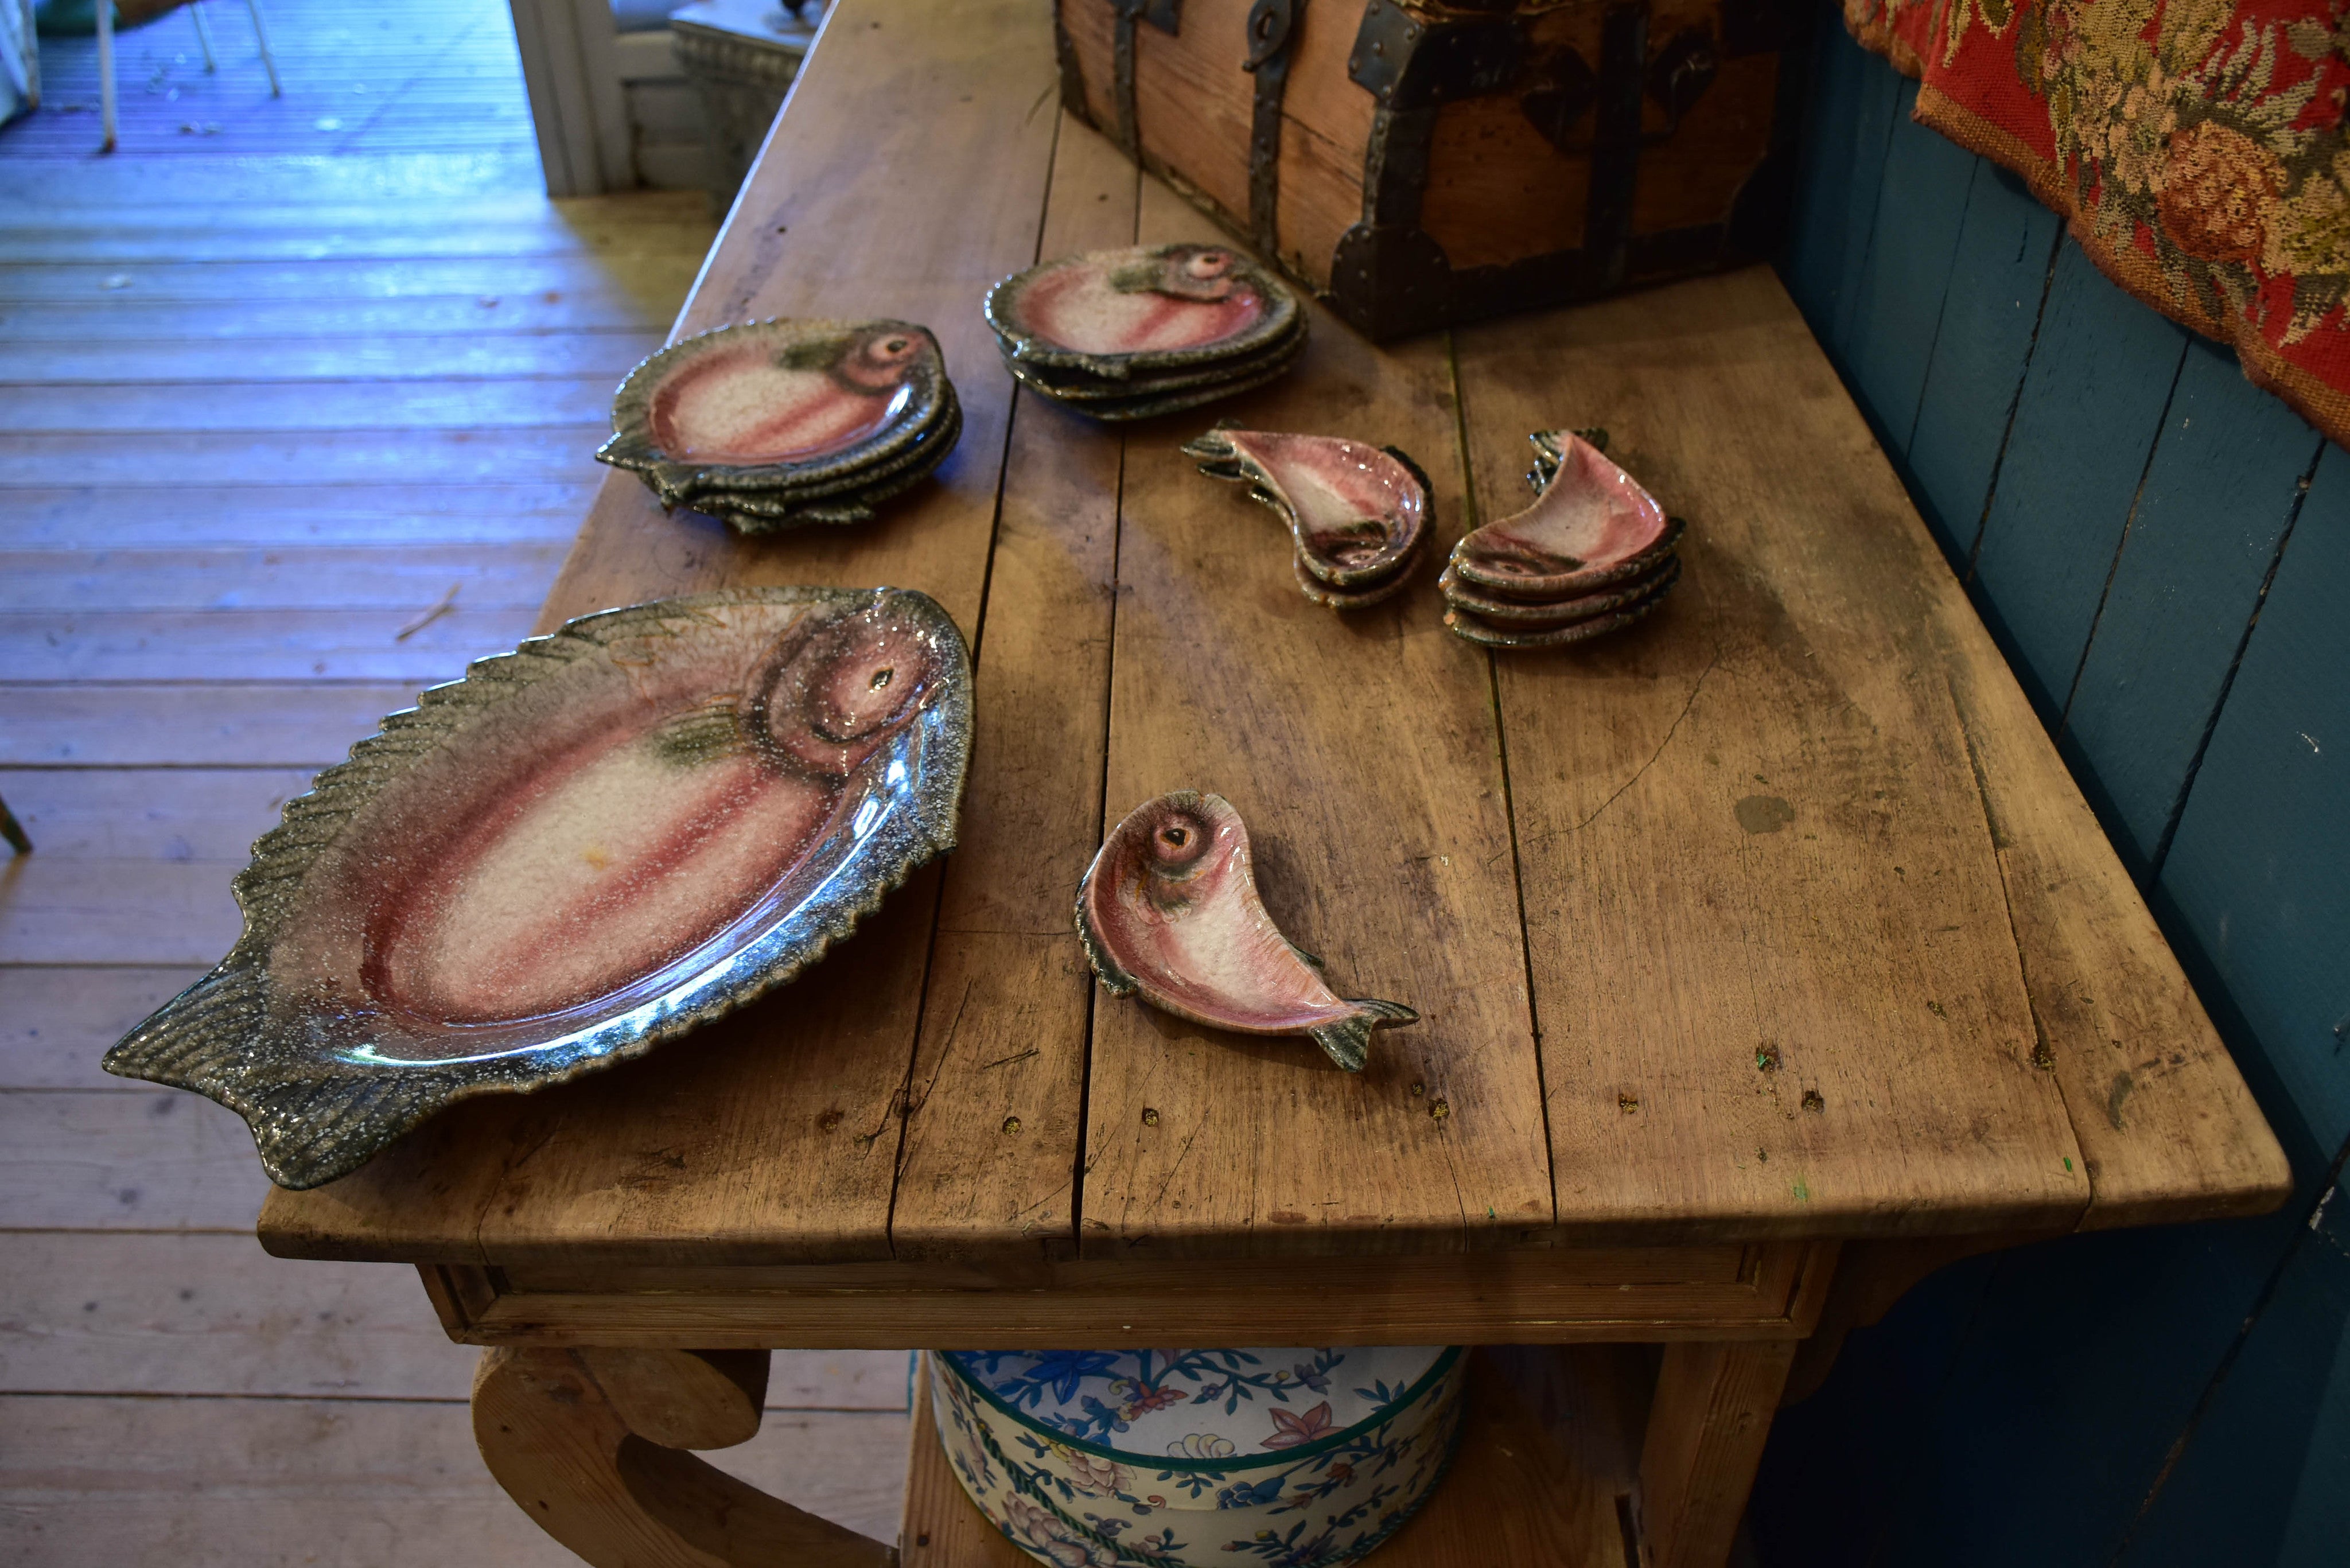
(589, 1442)
(1712, 1415)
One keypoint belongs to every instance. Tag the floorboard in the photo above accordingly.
(630, 280)
(341, 1483)
(363, 454)
(256, 644)
(262, 577)
(123, 516)
(57, 1022)
(339, 406)
(185, 1315)
(329, 357)
(298, 403)
(252, 724)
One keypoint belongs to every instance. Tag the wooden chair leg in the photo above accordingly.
(1712, 1415)
(105, 70)
(589, 1442)
(268, 60)
(203, 35)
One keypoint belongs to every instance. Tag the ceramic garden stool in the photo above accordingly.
(1764, 955)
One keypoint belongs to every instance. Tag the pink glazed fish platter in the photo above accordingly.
(1199, 1458)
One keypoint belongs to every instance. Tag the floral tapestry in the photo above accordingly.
(2196, 146)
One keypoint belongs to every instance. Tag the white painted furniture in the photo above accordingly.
(139, 13)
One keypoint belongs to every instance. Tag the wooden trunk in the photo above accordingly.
(1425, 162)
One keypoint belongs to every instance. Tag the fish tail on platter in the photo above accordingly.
(1113, 976)
(1348, 1040)
(310, 1122)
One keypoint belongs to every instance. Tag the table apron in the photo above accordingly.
(1763, 1291)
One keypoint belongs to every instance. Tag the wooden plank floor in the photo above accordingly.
(277, 381)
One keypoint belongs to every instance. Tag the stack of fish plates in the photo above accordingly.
(1125, 335)
(775, 424)
(1593, 554)
(1357, 514)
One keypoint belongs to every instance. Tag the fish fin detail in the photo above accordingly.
(1386, 1014)
(703, 734)
(1348, 1040)
(1114, 980)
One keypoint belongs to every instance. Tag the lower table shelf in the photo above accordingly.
(1516, 1493)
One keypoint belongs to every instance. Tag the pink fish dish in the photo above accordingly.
(777, 424)
(1126, 335)
(585, 847)
(1594, 554)
(1357, 514)
(1170, 910)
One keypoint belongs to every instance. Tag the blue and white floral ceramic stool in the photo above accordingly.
(1281, 1458)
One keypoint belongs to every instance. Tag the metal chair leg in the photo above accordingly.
(268, 62)
(203, 35)
(105, 77)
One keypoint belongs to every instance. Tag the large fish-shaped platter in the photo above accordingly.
(1169, 909)
(586, 846)
(771, 413)
(1119, 314)
(1591, 526)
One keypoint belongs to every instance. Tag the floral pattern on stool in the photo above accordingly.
(1274, 1458)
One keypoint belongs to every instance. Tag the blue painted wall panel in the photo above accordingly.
(1998, 276)
(1898, 296)
(1835, 206)
(2085, 1361)
(2287, 1390)
(2258, 880)
(2158, 1397)
(1846, 1453)
(2225, 481)
(2093, 399)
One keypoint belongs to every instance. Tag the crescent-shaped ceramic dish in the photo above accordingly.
(1591, 525)
(778, 406)
(1476, 628)
(1518, 616)
(585, 847)
(1356, 513)
(1124, 313)
(1169, 909)
(1328, 598)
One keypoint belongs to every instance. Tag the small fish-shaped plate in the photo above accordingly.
(1170, 910)
(1356, 513)
(781, 405)
(1121, 313)
(1519, 615)
(1592, 525)
(586, 846)
(1620, 610)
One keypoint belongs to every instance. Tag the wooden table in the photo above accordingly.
(1767, 953)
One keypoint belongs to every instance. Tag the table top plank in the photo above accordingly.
(988, 1156)
(774, 1133)
(1361, 749)
(2167, 1129)
(1773, 958)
